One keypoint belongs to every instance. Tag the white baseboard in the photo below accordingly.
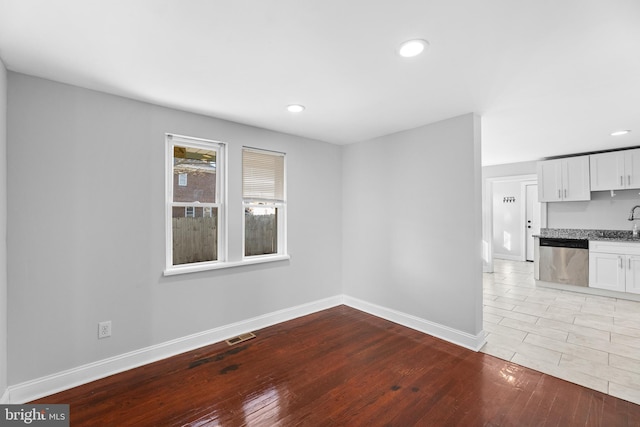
(40, 387)
(508, 257)
(44, 386)
(463, 339)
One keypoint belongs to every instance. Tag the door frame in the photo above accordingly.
(523, 219)
(487, 220)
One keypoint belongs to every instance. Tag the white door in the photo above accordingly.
(532, 218)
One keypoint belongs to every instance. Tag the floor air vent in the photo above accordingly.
(241, 338)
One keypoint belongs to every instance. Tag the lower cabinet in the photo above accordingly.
(614, 266)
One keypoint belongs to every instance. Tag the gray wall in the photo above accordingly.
(3, 229)
(601, 212)
(86, 214)
(412, 217)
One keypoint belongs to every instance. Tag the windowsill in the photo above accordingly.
(217, 266)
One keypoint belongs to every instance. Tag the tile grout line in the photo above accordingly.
(594, 307)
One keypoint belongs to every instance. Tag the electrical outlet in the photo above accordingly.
(104, 329)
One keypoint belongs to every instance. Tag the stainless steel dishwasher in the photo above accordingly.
(564, 261)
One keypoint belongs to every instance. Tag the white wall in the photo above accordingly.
(509, 169)
(412, 223)
(3, 230)
(507, 220)
(86, 214)
(489, 173)
(601, 212)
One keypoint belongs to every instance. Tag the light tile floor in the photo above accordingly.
(585, 339)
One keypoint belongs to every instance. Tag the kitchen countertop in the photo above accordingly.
(577, 233)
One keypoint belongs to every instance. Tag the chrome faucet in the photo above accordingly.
(632, 213)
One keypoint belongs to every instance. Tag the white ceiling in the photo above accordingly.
(547, 77)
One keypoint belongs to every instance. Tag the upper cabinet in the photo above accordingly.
(617, 170)
(563, 180)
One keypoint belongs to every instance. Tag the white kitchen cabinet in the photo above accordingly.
(606, 271)
(614, 266)
(617, 170)
(633, 274)
(563, 180)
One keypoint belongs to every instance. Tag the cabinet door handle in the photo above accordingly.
(559, 196)
(565, 193)
(619, 262)
(629, 263)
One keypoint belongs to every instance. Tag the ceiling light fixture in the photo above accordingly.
(295, 108)
(620, 132)
(412, 48)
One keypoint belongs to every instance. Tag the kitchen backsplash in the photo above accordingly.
(601, 212)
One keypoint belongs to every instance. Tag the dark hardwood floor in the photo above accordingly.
(339, 367)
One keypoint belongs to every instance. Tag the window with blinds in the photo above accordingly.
(264, 199)
(262, 176)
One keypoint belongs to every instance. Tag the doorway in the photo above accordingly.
(513, 215)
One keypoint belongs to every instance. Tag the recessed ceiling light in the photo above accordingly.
(620, 132)
(295, 108)
(412, 48)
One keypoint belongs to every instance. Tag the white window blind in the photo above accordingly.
(262, 176)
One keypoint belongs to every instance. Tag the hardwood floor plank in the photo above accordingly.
(546, 394)
(339, 367)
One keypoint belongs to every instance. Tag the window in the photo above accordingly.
(195, 202)
(264, 202)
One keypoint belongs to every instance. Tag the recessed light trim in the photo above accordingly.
(620, 132)
(412, 48)
(295, 108)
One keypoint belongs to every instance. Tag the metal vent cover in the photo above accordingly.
(240, 338)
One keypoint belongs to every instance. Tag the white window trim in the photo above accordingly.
(196, 267)
(282, 252)
(221, 191)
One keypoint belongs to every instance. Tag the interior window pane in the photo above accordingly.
(195, 237)
(260, 230)
(194, 175)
